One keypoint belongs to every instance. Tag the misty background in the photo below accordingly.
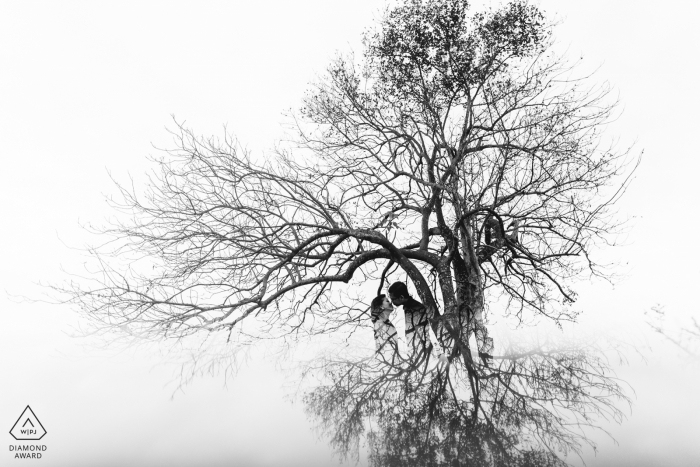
(88, 89)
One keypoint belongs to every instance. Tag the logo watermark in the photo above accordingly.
(28, 428)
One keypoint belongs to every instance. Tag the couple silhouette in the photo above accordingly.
(416, 316)
(416, 319)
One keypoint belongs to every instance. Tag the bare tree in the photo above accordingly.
(460, 156)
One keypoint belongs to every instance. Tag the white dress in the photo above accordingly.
(384, 332)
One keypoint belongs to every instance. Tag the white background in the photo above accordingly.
(87, 87)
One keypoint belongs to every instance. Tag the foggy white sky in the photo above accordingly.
(87, 87)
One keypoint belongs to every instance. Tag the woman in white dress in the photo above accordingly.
(384, 331)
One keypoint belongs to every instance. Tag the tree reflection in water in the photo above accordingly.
(526, 408)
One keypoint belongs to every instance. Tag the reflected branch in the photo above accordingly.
(533, 403)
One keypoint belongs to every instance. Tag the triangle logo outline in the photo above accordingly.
(35, 434)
